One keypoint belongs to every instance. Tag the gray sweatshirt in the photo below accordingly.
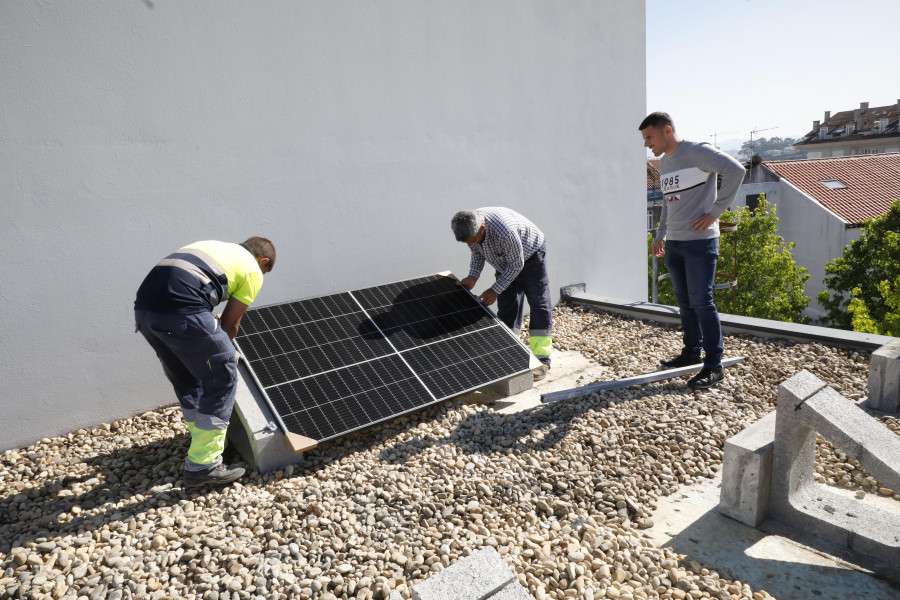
(688, 180)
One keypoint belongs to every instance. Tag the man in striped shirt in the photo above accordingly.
(515, 247)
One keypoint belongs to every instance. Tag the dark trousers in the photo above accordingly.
(199, 360)
(532, 284)
(692, 265)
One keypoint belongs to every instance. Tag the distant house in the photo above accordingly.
(852, 132)
(654, 194)
(822, 203)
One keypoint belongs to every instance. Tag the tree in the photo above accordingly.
(769, 281)
(865, 281)
(862, 320)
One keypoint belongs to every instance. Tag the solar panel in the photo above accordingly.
(335, 364)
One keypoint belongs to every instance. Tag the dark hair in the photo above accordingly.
(262, 248)
(657, 120)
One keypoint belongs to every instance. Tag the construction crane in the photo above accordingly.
(716, 134)
(752, 133)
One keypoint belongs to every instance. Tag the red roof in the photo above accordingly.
(652, 173)
(872, 180)
(863, 119)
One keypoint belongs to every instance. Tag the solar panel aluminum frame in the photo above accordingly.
(300, 443)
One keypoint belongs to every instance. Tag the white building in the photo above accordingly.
(851, 132)
(347, 132)
(822, 204)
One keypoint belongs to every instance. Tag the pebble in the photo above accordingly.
(562, 492)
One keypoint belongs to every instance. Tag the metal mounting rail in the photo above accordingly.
(616, 384)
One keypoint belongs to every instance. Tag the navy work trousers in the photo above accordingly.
(199, 360)
(532, 284)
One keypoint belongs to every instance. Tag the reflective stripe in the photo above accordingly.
(209, 422)
(206, 422)
(180, 263)
(206, 446)
(538, 332)
(214, 266)
(541, 345)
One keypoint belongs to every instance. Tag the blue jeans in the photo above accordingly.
(692, 265)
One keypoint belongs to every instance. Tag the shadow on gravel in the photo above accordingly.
(104, 489)
(487, 431)
(717, 540)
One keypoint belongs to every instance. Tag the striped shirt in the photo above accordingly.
(509, 240)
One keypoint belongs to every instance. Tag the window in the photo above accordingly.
(752, 200)
(835, 184)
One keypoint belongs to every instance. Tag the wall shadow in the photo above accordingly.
(143, 476)
(749, 555)
(478, 433)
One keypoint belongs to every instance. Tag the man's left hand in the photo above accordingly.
(488, 297)
(701, 224)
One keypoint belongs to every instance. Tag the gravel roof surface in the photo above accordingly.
(562, 491)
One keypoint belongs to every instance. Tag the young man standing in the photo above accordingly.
(688, 237)
(174, 312)
(515, 247)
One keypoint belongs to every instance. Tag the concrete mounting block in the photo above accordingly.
(747, 472)
(884, 378)
(480, 576)
(806, 407)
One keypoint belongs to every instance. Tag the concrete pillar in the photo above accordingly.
(884, 378)
(747, 472)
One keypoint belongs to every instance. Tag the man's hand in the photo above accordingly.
(468, 282)
(659, 248)
(488, 297)
(231, 316)
(701, 224)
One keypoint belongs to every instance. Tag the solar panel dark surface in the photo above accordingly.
(335, 364)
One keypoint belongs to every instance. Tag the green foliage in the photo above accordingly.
(770, 283)
(864, 283)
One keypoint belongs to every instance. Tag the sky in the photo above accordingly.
(724, 68)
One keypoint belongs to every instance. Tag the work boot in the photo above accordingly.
(682, 360)
(707, 378)
(541, 372)
(218, 476)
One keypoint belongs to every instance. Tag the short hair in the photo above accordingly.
(262, 248)
(466, 224)
(658, 120)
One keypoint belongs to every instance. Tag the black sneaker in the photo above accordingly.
(707, 378)
(218, 476)
(682, 360)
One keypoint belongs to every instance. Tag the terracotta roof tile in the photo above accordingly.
(837, 122)
(872, 180)
(652, 173)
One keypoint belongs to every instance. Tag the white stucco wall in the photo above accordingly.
(347, 132)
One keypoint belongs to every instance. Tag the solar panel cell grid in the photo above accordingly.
(338, 363)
